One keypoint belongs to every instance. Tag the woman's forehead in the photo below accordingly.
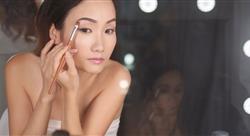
(97, 10)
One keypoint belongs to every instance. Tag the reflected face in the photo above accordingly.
(169, 92)
(96, 36)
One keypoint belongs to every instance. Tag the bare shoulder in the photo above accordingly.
(21, 62)
(118, 76)
(21, 66)
(118, 71)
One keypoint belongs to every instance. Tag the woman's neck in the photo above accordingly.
(86, 76)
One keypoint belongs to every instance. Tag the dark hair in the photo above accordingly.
(60, 132)
(52, 12)
(19, 18)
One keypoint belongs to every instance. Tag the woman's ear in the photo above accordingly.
(54, 34)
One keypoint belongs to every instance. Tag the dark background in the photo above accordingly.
(206, 47)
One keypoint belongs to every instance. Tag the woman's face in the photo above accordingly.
(169, 91)
(96, 36)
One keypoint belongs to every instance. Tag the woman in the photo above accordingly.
(86, 99)
(161, 111)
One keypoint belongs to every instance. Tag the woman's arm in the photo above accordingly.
(71, 117)
(69, 80)
(108, 105)
(103, 110)
(23, 119)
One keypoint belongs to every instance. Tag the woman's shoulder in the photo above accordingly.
(22, 63)
(116, 76)
(117, 70)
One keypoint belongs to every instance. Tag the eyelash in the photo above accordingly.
(108, 31)
(87, 30)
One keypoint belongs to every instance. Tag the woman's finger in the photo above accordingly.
(53, 52)
(59, 56)
(49, 58)
(60, 52)
(46, 49)
(70, 62)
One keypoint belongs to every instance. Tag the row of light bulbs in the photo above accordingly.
(149, 6)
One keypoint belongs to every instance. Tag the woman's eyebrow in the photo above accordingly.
(95, 21)
(111, 20)
(87, 19)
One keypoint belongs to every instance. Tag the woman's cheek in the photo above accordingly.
(112, 43)
(82, 41)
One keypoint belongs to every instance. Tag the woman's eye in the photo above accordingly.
(163, 89)
(85, 30)
(110, 31)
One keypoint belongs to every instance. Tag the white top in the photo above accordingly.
(54, 125)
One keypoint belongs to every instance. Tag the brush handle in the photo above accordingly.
(61, 65)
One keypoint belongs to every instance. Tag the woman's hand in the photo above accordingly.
(50, 60)
(69, 78)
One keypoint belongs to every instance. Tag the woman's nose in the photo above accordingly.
(98, 45)
(98, 48)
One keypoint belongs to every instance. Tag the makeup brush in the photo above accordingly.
(62, 61)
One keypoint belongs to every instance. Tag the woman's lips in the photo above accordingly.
(96, 60)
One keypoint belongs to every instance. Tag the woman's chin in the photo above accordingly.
(95, 71)
(92, 69)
